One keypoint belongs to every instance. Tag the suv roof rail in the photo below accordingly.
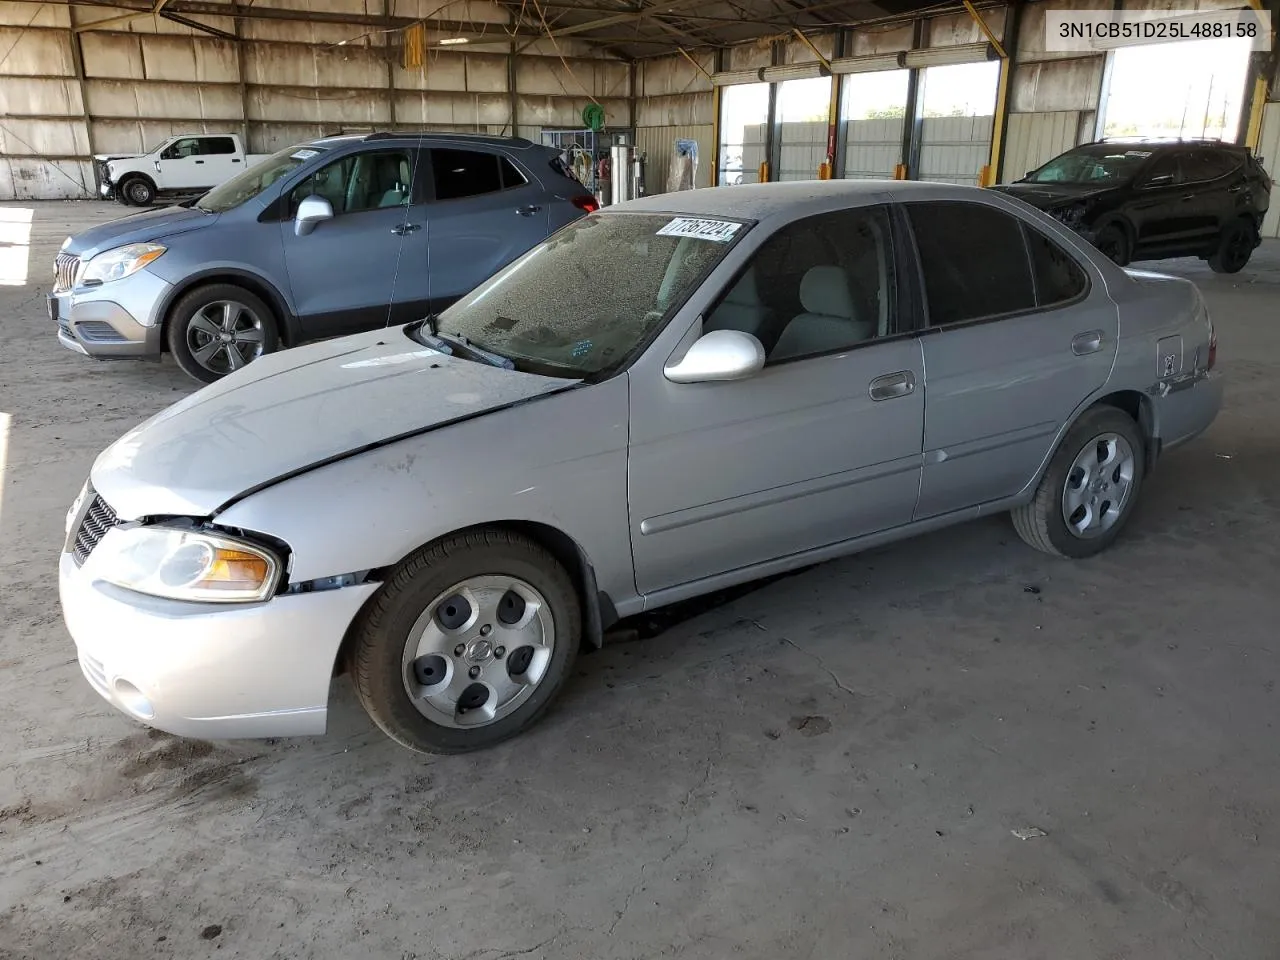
(1168, 140)
(443, 135)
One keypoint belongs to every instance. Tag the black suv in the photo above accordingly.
(1149, 199)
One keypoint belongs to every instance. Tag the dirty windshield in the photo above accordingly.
(245, 186)
(584, 301)
(1092, 165)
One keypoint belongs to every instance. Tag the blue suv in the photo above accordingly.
(326, 238)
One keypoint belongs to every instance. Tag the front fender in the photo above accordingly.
(559, 462)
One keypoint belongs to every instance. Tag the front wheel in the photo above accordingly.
(217, 329)
(1235, 247)
(1087, 494)
(467, 643)
(137, 191)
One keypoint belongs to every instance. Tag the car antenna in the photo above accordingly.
(405, 225)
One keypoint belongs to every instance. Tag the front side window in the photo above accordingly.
(181, 149)
(470, 173)
(817, 285)
(973, 259)
(253, 181)
(361, 181)
(1165, 171)
(583, 302)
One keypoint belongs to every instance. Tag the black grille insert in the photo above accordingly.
(97, 521)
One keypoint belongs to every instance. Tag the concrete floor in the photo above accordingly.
(832, 765)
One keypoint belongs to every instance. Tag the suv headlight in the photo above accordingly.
(1072, 215)
(186, 565)
(121, 262)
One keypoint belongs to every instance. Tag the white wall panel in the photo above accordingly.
(21, 137)
(658, 145)
(1269, 150)
(191, 101)
(35, 53)
(872, 148)
(32, 96)
(22, 178)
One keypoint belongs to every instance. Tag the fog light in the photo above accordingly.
(131, 699)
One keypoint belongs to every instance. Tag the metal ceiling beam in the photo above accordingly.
(641, 13)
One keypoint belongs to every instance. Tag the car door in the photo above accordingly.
(819, 447)
(367, 266)
(485, 212)
(217, 161)
(1162, 208)
(1219, 182)
(181, 166)
(1017, 337)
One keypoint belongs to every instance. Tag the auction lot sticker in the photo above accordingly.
(721, 231)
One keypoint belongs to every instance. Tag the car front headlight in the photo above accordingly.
(121, 262)
(182, 564)
(1073, 215)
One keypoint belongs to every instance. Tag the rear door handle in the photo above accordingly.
(404, 228)
(199, 161)
(892, 385)
(1083, 344)
(528, 211)
(235, 161)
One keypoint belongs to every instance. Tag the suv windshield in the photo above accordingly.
(1091, 165)
(582, 302)
(247, 185)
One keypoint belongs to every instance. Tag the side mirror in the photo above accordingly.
(718, 355)
(311, 213)
(1164, 180)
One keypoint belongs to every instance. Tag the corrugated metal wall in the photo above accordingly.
(954, 149)
(1269, 150)
(658, 146)
(1033, 138)
(285, 81)
(872, 148)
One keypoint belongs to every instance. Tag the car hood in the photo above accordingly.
(138, 228)
(117, 156)
(288, 412)
(1048, 195)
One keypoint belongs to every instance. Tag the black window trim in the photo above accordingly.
(429, 165)
(917, 269)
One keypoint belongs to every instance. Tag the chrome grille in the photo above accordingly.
(65, 268)
(97, 521)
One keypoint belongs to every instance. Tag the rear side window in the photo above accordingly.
(215, 146)
(973, 259)
(1058, 277)
(469, 173)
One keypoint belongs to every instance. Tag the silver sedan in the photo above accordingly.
(668, 397)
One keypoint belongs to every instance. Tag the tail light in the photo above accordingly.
(586, 202)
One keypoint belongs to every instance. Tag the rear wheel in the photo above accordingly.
(217, 329)
(1113, 242)
(1089, 491)
(1235, 247)
(467, 643)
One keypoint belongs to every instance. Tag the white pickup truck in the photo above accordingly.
(185, 165)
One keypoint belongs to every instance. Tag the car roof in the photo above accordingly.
(760, 201)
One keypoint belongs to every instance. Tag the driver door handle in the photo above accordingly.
(404, 228)
(528, 211)
(892, 385)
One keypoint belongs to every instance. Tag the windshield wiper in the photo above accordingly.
(454, 344)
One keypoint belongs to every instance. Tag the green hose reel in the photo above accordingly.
(593, 117)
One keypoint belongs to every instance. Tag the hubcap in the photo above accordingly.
(224, 335)
(478, 651)
(1098, 486)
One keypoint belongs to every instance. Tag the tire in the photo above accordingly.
(1113, 242)
(1235, 247)
(120, 197)
(136, 192)
(404, 637)
(201, 316)
(1043, 523)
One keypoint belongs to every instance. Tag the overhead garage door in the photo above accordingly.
(874, 122)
